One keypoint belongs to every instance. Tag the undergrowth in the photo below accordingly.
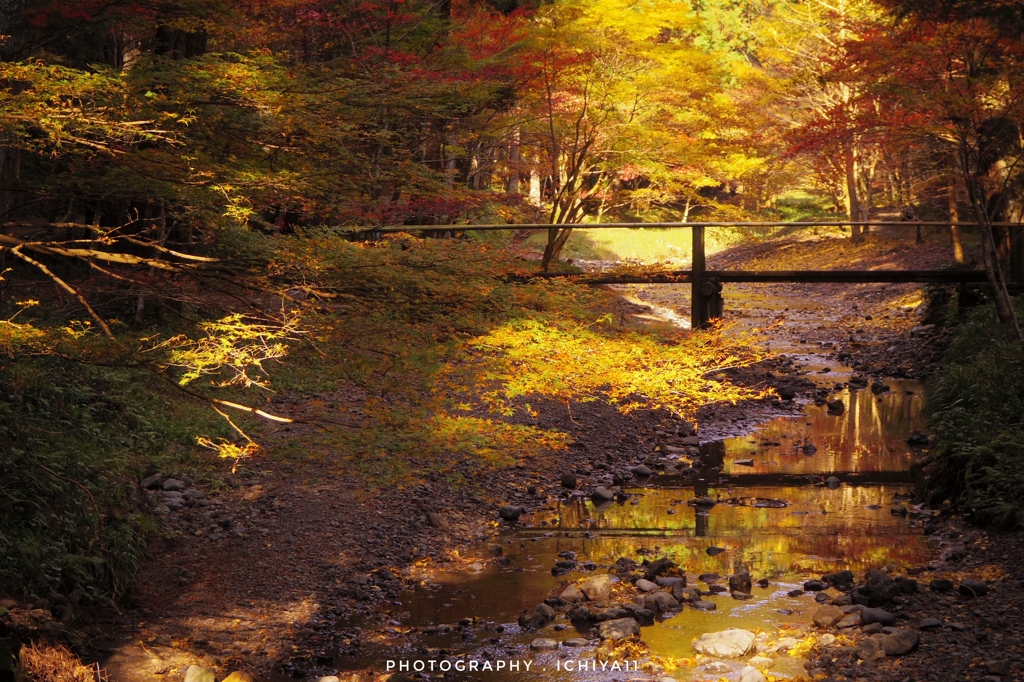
(74, 441)
(976, 405)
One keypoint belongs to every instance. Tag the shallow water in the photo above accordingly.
(773, 516)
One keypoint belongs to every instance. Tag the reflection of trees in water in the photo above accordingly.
(772, 541)
(868, 436)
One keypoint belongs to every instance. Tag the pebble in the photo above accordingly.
(569, 481)
(173, 485)
(929, 623)
(543, 644)
(576, 642)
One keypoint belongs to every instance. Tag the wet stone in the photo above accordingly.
(576, 642)
(815, 585)
(714, 551)
(795, 593)
(571, 594)
(998, 667)
(646, 585)
(602, 494)
(731, 643)
(752, 674)
(670, 581)
(704, 605)
(940, 585)
(740, 582)
(597, 587)
(621, 628)
(929, 624)
(569, 481)
(827, 616)
(543, 644)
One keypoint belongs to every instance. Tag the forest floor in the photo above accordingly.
(271, 573)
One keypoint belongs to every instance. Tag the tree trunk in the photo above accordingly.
(512, 184)
(993, 271)
(852, 202)
(556, 241)
(954, 217)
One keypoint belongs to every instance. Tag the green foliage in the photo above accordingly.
(73, 442)
(976, 403)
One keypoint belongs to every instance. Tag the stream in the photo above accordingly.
(774, 516)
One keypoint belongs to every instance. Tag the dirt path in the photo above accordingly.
(262, 576)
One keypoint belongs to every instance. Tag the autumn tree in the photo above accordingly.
(952, 76)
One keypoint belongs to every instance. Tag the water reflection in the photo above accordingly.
(772, 515)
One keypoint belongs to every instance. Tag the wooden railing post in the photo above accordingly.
(698, 307)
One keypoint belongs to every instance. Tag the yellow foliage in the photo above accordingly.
(568, 362)
(234, 344)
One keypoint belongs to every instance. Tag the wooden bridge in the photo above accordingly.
(706, 285)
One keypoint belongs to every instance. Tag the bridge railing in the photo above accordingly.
(706, 285)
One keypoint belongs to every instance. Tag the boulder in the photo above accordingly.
(872, 648)
(827, 616)
(815, 585)
(704, 605)
(510, 512)
(199, 673)
(546, 612)
(152, 482)
(929, 624)
(576, 642)
(660, 602)
(617, 629)
(940, 585)
(682, 593)
(740, 582)
(731, 643)
(239, 676)
(645, 585)
(602, 494)
(969, 587)
(641, 471)
(900, 642)
(877, 616)
(752, 674)
(671, 581)
(569, 481)
(658, 567)
(571, 594)
(839, 579)
(543, 644)
(597, 587)
(174, 485)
